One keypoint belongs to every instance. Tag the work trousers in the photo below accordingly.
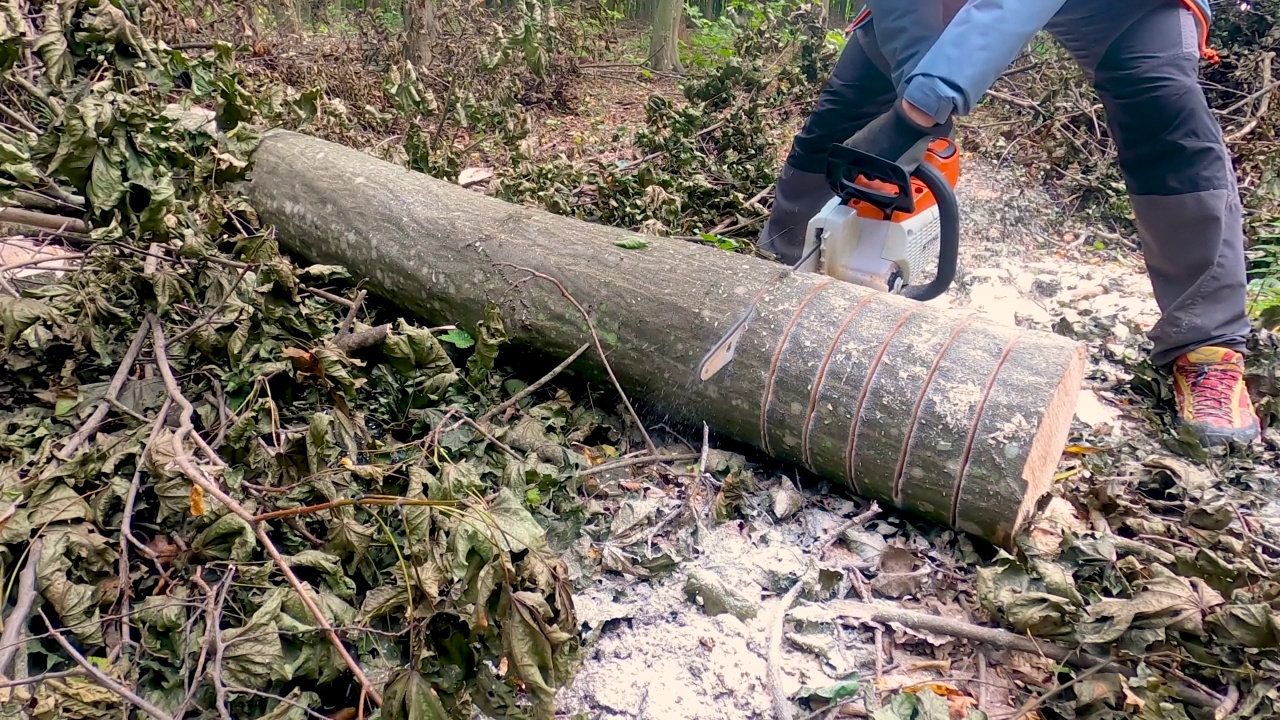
(1142, 57)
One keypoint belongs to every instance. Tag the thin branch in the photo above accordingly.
(113, 391)
(1033, 704)
(43, 677)
(100, 677)
(641, 460)
(16, 623)
(44, 221)
(863, 612)
(595, 337)
(350, 319)
(511, 401)
(363, 501)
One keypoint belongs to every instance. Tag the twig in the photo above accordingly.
(526, 392)
(641, 460)
(214, 600)
(43, 677)
(595, 337)
(100, 677)
(365, 500)
(781, 704)
(39, 261)
(325, 294)
(184, 462)
(489, 436)
(16, 623)
(113, 390)
(1032, 704)
(347, 321)
(19, 118)
(863, 612)
(45, 221)
(1264, 104)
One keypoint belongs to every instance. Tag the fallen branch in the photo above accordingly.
(184, 462)
(529, 390)
(353, 341)
(113, 391)
(862, 612)
(16, 623)
(1264, 103)
(641, 460)
(781, 703)
(363, 501)
(100, 677)
(44, 221)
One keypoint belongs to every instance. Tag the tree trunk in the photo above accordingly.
(419, 31)
(288, 19)
(664, 42)
(933, 411)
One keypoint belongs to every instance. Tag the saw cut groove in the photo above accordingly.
(973, 431)
(915, 411)
(829, 376)
(862, 397)
(822, 376)
(777, 357)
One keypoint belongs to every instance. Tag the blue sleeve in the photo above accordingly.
(949, 75)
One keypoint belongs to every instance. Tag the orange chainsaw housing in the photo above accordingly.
(944, 155)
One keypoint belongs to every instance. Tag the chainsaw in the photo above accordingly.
(879, 231)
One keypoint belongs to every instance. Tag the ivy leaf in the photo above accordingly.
(253, 656)
(459, 338)
(633, 244)
(410, 697)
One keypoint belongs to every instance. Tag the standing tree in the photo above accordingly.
(420, 31)
(288, 19)
(664, 43)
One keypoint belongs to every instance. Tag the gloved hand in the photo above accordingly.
(896, 137)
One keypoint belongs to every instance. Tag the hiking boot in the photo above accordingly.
(1212, 398)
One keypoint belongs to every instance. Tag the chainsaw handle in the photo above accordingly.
(845, 165)
(949, 240)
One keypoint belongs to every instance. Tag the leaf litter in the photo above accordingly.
(289, 501)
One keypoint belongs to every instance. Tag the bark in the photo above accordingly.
(664, 42)
(420, 31)
(933, 411)
(288, 19)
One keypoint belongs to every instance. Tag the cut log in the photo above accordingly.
(937, 412)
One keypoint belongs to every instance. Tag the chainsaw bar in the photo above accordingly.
(721, 354)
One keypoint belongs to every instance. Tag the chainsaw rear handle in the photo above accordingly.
(949, 237)
(845, 165)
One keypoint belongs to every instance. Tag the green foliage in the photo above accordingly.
(703, 159)
(423, 551)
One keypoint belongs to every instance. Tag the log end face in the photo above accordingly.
(1050, 438)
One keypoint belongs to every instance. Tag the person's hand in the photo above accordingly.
(901, 135)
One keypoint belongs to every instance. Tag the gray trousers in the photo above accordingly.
(1142, 57)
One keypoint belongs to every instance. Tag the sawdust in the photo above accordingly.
(660, 655)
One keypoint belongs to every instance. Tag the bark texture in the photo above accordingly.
(664, 41)
(937, 412)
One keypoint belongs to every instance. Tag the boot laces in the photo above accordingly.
(1212, 385)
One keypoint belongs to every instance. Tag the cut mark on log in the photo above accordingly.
(777, 358)
(862, 398)
(973, 431)
(915, 411)
(822, 377)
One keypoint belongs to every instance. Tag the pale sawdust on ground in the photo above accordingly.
(1020, 266)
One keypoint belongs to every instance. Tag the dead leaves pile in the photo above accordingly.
(183, 347)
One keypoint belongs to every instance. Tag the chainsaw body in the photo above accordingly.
(883, 235)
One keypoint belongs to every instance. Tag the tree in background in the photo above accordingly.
(664, 42)
(420, 31)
